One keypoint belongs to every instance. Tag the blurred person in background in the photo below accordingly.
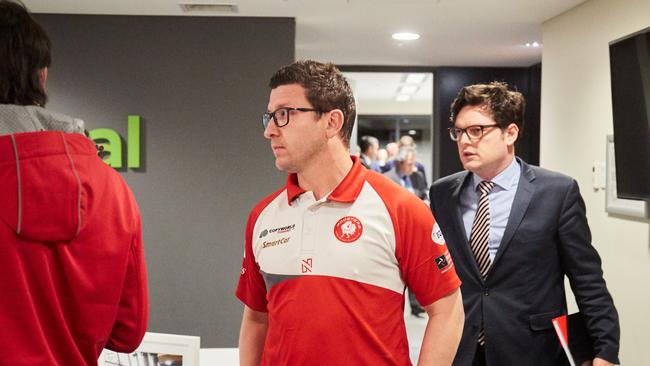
(382, 156)
(369, 146)
(408, 141)
(405, 174)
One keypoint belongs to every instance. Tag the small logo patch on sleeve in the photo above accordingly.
(444, 262)
(441, 262)
(436, 235)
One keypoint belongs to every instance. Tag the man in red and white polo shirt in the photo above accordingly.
(329, 255)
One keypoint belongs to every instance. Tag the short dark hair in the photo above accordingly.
(327, 89)
(505, 106)
(366, 142)
(24, 51)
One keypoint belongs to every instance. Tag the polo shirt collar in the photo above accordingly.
(346, 191)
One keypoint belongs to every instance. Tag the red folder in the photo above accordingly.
(560, 325)
(574, 338)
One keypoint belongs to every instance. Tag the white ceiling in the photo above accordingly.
(380, 86)
(358, 32)
(376, 93)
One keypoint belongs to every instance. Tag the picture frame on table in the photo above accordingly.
(157, 349)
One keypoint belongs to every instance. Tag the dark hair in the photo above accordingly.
(327, 89)
(24, 51)
(505, 106)
(366, 142)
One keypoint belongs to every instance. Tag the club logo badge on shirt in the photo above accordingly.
(348, 229)
(436, 235)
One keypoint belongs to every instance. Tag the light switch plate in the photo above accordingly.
(599, 175)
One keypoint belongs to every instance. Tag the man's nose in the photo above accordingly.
(464, 139)
(271, 130)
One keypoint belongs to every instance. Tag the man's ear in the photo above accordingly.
(42, 77)
(511, 134)
(334, 122)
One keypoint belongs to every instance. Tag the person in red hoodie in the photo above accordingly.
(72, 268)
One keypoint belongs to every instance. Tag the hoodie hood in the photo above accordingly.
(21, 118)
(41, 193)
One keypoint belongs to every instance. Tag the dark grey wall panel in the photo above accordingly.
(200, 86)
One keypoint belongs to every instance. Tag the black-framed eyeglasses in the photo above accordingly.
(281, 115)
(473, 132)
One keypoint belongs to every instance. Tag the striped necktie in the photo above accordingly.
(480, 236)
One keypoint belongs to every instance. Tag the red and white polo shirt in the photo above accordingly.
(332, 272)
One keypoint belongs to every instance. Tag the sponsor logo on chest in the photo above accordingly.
(273, 243)
(277, 230)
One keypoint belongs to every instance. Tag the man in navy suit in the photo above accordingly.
(515, 231)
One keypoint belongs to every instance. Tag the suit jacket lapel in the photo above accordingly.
(455, 197)
(525, 190)
(463, 246)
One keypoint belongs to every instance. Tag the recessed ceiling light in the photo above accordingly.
(413, 132)
(406, 36)
(408, 89)
(533, 44)
(415, 78)
(403, 98)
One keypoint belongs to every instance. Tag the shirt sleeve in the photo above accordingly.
(425, 262)
(251, 289)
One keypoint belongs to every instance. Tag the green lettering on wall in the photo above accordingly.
(133, 155)
(112, 144)
(111, 141)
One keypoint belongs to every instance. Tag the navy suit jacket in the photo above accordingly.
(417, 181)
(546, 238)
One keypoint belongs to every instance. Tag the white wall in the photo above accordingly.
(414, 107)
(576, 115)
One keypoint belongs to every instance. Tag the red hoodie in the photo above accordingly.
(72, 270)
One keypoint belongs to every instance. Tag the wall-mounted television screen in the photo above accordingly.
(630, 73)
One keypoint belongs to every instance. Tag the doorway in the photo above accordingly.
(394, 104)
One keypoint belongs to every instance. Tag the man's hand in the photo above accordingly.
(597, 362)
(601, 362)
